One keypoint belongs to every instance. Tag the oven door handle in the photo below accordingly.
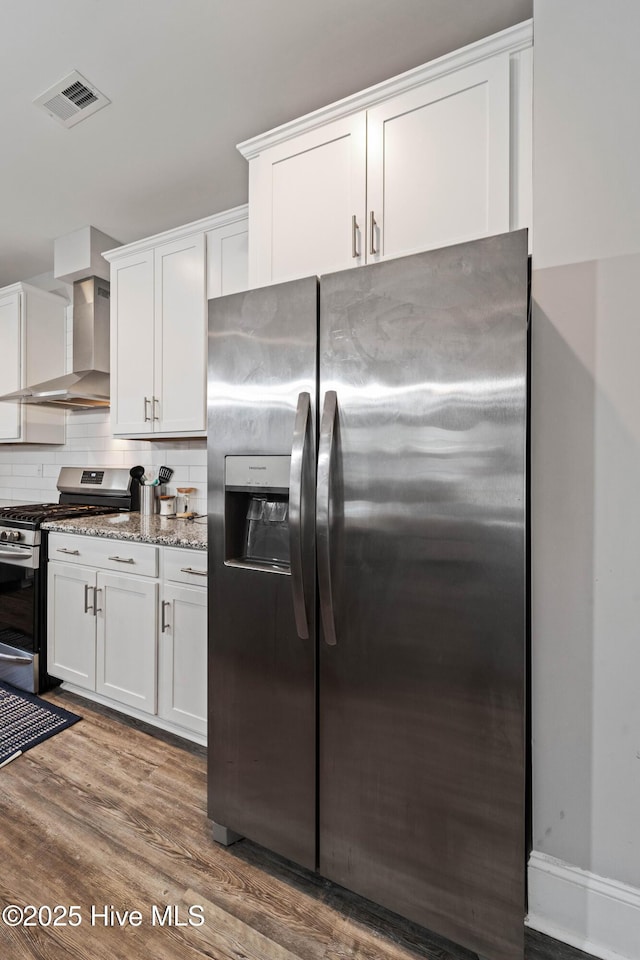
(10, 658)
(15, 553)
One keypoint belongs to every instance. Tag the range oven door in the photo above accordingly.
(20, 626)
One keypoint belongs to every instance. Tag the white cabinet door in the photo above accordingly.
(33, 349)
(132, 344)
(437, 156)
(71, 624)
(126, 617)
(181, 336)
(438, 162)
(10, 364)
(182, 694)
(303, 196)
(227, 258)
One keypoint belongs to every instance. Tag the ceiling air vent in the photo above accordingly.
(72, 99)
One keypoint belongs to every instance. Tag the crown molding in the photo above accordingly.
(511, 40)
(216, 220)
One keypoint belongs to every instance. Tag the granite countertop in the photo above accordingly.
(165, 531)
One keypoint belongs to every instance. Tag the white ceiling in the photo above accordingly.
(188, 80)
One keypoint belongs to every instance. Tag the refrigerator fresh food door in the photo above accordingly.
(261, 477)
(421, 566)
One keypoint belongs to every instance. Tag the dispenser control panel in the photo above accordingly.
(268, 472)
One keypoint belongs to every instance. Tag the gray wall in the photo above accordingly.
(586, 435)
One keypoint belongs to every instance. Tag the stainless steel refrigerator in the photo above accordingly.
(367, 536)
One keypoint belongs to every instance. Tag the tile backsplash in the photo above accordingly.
(28, 472)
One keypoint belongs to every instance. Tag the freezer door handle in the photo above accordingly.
(323, 502)
(298, 451)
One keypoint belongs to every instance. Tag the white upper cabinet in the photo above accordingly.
(307, 202)
(159, 292)
(438, 162)
(132, 343)
(227, 253)
(32, 335)
(436, 156)
(180, 345)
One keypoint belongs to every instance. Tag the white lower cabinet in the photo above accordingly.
(135, 640)
(126, 645)
(182, 676)
(71, 627)
(102, 633)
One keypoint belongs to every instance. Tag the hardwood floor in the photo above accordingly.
(105, 814)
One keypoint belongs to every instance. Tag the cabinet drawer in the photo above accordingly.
(185, 566)
(118, 555)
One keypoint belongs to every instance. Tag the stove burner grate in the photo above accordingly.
(37, 513)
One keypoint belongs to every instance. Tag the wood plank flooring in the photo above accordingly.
(106, 815)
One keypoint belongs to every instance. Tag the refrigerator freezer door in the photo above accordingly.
(422, 741)
(262, 733)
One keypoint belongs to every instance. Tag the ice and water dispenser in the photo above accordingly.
(257, 512)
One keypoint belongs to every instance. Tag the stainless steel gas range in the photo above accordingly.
(23, 565)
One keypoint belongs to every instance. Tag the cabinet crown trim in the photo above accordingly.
(28, 288)
(511, 40)
(222, 219)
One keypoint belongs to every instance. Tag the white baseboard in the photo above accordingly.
(599, 916)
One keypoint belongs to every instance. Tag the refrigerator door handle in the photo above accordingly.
(298, 451)
(323, 501)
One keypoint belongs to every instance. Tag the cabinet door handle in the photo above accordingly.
(372, 233)
(72, 553)
(147, 402)
(165, 625)
(122, 559)
(96, 608)
(199, 573)
(87, 608)
(354, 237)
(156, 404)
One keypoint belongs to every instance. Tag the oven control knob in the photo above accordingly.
(11, 535)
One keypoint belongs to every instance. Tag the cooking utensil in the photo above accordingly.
(165, 474)
(137, 473)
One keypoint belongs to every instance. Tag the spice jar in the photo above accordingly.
(167, 505)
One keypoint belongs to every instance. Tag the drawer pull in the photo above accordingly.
(199, 573)
(73, 553)
(123, 559)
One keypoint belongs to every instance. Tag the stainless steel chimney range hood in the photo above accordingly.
(87, 386)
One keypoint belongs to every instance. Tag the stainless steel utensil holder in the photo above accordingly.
(148, 500)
